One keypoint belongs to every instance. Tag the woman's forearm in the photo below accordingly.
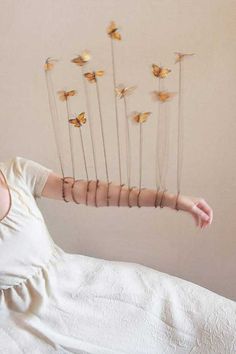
(56, 189)
(147, 196)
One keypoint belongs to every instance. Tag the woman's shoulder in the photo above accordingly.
(14, 163)
(26, 171)
(18, 165)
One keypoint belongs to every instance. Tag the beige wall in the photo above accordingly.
(152, 30)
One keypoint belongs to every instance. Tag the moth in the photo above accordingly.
(49, 64)
(113, 31)
(163, 96)
(141, 117)
(181, 56)
(82, 59)
(64, 95)
(159, 71)
(78, 120)
(92, 75)
(122, 91)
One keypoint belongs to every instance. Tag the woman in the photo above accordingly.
(55, 302)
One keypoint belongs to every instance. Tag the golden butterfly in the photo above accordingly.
(181, 56)
(79, 120)
(64, 95)
(49, 64)
(82, 59)
(92, 75)
(159, 71)
(122, 91)
(141, 117)
(163, 96)
(113, 31)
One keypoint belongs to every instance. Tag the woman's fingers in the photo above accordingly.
(204, 213)
(198, 208)
(206, 208)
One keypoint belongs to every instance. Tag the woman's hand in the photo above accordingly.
(198, 208)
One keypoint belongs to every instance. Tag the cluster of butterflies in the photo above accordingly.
(121, 91)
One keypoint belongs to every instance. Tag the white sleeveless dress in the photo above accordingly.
(55, 302)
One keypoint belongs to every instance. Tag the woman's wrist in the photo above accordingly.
(169, 200)
(159, 198)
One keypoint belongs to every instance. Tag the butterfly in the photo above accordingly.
(159, 71)
(92, 76)
(78, 120)
(113, 31)
(181, 56)
(141, 117)
(64, 95)
(82, 59)
(163, 96)
(122, 91)
(49, 64)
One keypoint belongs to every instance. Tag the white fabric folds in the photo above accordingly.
(55, 302)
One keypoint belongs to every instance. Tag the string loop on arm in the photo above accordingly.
(72, 191)
(162, 198)
(176, 202)
(65, 180)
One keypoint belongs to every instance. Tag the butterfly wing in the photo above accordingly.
(50, 63)
(78, 60)
(86, 56)
(136, 118)
(156, 70)
(144, 116)
(62, 95)
(99, 73)
(71, 93)
(113, 31)
(48, 66)
(129, 90)
(181, 56)
(164, 72)
(90, 76)
(164, 96)
(111, 28)
(81, 118)
(73, 121)
(116, 35)
(119, 92)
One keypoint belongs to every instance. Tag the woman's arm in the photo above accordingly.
(197, 207)
(54, 184)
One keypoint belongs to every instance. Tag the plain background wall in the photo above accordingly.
(30, 31)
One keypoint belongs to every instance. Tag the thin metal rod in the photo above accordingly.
(83, 150)
(116, 115)
(140, 153)
(90, 122)
(102, 130)
(128, 149)
(140, 162)
(157, 166)
(54, 116)
(166, 143)
(70, 136)
(180, 129)
(85, 164)
(163, 137)
(103, 139)
(116, 108)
